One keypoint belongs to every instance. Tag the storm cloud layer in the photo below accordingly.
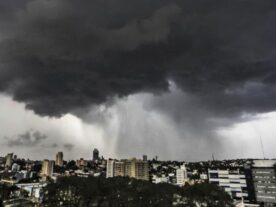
(167, 77)
(60, 56)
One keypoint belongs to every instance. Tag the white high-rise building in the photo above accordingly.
(181, 176)
(110, 168)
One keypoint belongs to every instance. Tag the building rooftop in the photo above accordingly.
(264, 163)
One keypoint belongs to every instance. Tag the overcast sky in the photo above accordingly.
(177, 79)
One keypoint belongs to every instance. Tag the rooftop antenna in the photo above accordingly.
(262, 146)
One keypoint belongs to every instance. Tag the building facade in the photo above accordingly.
(110, 168)
(141, 170)
(81, 163)
(9, 160)
(232, 181)
(15, 167)
(132, 168)
(95, 154)
(145, 158)
(263, 172)
(47, 168)
(119, 169)
(181, 176)
(59, 159)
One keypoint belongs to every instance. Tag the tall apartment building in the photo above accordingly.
(132, 168)
(110, 168)
(181, 176)
(141, 170)
(9, 160)
(145, 158)
(119, 169)
(95, 154)
(47, 168)
(138, 169)
(59, 159)
(263, 172)
(233, 181)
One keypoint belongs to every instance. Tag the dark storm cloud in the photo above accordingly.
(60, 56)
(28, 139)
(9, 8)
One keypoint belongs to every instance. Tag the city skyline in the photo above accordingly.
(175, 79)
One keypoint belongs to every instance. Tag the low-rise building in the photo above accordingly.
(163, 179)
(81, 163)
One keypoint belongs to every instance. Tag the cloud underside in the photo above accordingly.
(63, 56)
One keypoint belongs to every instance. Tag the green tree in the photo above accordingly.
(124, 191)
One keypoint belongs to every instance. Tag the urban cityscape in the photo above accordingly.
(246, 182)
(137, 103)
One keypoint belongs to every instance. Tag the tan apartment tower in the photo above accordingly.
(47, 168)
(59, 159)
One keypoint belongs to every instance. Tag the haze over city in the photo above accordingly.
(169, 78)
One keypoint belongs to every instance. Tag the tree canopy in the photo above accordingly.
(124, 191)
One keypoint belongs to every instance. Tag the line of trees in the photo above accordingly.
(124, 191)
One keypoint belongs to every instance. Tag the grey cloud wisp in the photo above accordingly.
(28, 139)
(60, 56)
